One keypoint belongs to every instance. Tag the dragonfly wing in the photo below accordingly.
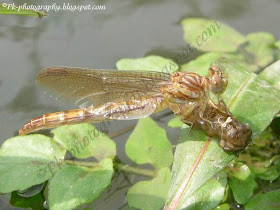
(86, 87)
(127, 110)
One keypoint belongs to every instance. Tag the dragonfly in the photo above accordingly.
(104, 95)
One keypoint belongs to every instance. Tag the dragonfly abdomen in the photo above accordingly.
(125, 110)
(54, 119)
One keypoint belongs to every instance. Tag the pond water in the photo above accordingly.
(98, 39)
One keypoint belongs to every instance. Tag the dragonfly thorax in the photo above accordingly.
(186, 87)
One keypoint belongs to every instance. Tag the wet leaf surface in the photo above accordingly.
(242, 183)
(73, 186)
(272, 74)
(149, 63)
(269, 200)
(28, 160)
(209, 195)
(258, 49)
(211, 35)
(150, 194)
(148, 143)
(252, 101)
(84, 140)
(34, 202)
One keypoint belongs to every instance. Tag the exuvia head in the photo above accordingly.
(236, 138)
(218, 81)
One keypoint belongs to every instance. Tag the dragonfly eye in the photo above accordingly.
(218, 81)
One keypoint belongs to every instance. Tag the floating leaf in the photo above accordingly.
(264, 140)
(149, 63)
(252, 101)
(209, 195)
(269, 200)
(127, 207)
(275, 126)
(259, 48)
(175, 122)
(28, 160)
(272, 74)
(11, 9)
(73, 186)
(84, 140)
(242, 183)
(148, 143)
(213, 160)
(269, 173)
(224, 206)
(34, 202)
(277, 44)
(150, 194)
(211, 35)
(249, 98)
(201, 64)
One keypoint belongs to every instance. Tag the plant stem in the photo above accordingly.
(134, 170)
(122, 131)
(81, 163)
(119, 166)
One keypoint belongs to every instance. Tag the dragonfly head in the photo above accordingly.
(218, 81)
(236, 138)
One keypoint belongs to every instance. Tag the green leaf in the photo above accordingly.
(272, 74)
(227, 192)
(212, 161)
(249, 98)
(242, 183)
(259, 48)
(11, 9)
(175, 122)
(275, 126)
(264, 139)
(149, 63)
(150, 194)
(262, 38)
(224, 206)
(269, 200)
(209, 195)
(127, 207)
(201, 64)
(73, 186)
(211, 35)
(148, 143)
(28, 160)
(252, 101)
(269, 173)
(84, 140)
(277, 44)
(34, 202)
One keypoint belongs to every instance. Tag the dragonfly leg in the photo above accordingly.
(190, 124)
(201, 113)
(213, 104)
(184, 112)
(221, 106)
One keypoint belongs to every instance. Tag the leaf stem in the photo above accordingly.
(134, 170)
(118, 166)
(175, 201)
(82, 163)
